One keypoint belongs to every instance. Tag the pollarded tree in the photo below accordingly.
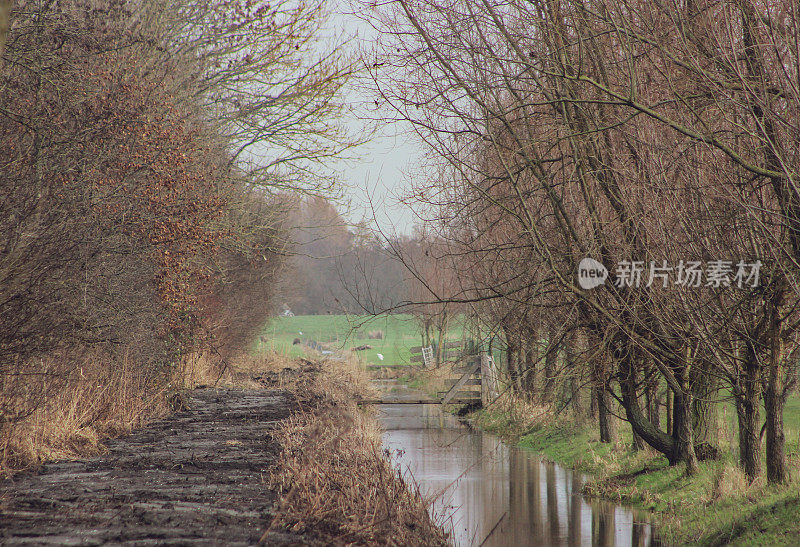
(575, 98)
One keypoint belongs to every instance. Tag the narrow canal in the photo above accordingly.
(488, 493)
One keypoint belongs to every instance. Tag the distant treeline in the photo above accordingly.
(336, 268)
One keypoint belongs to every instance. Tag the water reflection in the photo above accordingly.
(491, 494)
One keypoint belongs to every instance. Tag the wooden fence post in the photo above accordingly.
(488, 379)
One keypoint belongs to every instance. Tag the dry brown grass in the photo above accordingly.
(522, 412)
(97, 401)
(335, 481)
(729, 482)
(101, 398)
(204, 370)
(199, 369)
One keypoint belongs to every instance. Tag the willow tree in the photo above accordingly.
(594, 115)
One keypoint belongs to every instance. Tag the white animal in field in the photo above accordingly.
(380, 357)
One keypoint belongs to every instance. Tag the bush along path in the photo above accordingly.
(205, 475)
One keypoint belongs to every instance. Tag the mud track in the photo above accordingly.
(196, 478)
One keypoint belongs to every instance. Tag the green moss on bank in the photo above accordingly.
(714, 507)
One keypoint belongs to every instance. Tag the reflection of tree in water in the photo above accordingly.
(603, 527)
(538, 517)
(496, 495)
(574, 531)
(552, 502)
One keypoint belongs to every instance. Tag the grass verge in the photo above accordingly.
(335, 481)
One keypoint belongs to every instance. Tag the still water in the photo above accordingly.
(488, 493)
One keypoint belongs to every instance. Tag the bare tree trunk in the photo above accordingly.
(652, 402)
(578, 410)
(747, 394)
(670, 411)
(774, 400)
(550, 360)
(531, 359)
(605, 420)
(571, 350)
(776, 390)
(776, 440)
(512, 357)
(704, 414)
(683, 430)
(749, 441)
(638, 443)
(601, 400)
(442, 333)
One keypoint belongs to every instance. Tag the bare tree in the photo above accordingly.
(632, 132)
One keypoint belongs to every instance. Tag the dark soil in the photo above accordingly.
(196, 478)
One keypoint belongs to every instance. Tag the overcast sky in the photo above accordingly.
(386, 163)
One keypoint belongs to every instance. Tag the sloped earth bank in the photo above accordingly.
(201, 477)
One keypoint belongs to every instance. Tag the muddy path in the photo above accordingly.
(195, 478)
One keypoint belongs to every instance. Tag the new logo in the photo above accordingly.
(591, 273)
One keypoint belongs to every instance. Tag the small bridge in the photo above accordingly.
(474, 381)
(388, 400)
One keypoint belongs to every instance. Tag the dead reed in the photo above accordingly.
(71, 405)
(335, 481)
(94, 401)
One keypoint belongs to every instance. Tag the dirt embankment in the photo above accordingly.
(234, 468)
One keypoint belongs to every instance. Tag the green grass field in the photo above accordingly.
(342, 332)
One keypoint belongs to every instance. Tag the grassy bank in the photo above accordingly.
(336, 485)
(714, 507)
